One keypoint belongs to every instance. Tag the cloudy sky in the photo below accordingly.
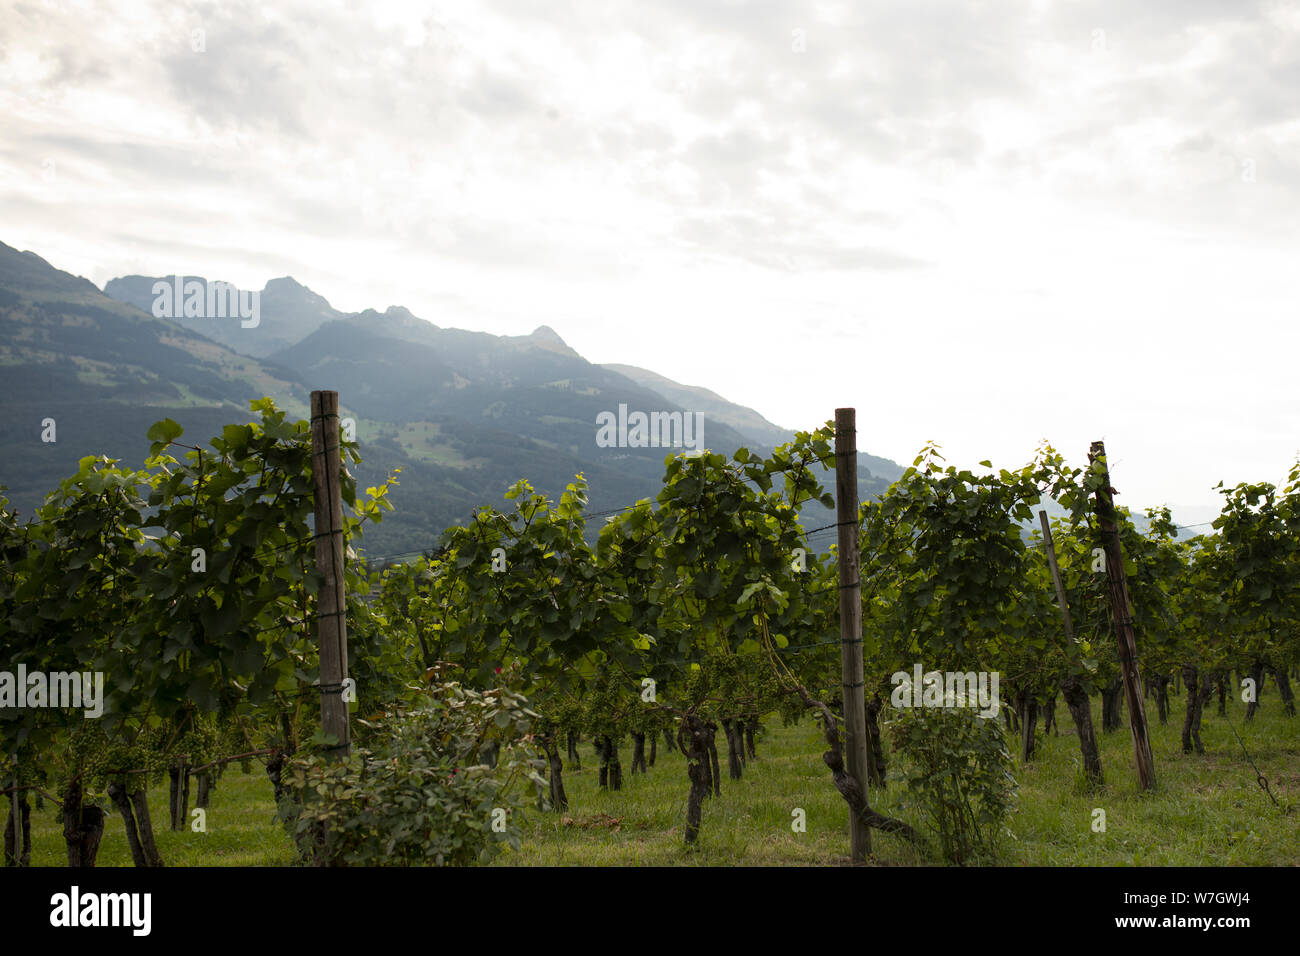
(979, 223)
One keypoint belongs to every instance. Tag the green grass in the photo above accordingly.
(749, 825)
(421, 441)
(240, 829)
(1207, 810)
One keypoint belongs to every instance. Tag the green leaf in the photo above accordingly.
(164, 431)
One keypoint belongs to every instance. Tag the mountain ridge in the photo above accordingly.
(464, 414)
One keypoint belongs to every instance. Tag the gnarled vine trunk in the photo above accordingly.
(1049, 717)
(1284, 690)
(711, 731)
(134, 809)
(751, 728)
(1257, 677)
(638, 752)
(694, 743)
(1192, 715)
(83, 827)
(559, 799)
(1028, 710)
(575, 760)
(1191, 719)
(203, 789)
(735, 748)
(21, 810)
(611, 771)
(179, 792)
(1080, 707)
(1161, 682)
(875, 748)
(1112, 701)
(845, 784)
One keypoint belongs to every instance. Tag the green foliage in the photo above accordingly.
(958, 778)
(188, 583)
(944, 554)
(421, 795)
(609, 708)
(698, 589)
(1255, 567)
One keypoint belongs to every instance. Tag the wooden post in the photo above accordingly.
(331, 602)
(855, 711)
(1137, 716)
(1050, 548)
(1076, 698)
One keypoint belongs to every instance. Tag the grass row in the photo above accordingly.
(1206, 811)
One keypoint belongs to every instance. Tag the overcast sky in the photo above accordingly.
(979, 223)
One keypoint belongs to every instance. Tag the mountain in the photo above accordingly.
(475, 411)
(753, 426)
(463, 414)
(104, 372)
(287, 311)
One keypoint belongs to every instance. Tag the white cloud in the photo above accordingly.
(981, 223)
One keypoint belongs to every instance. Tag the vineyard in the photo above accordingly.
(526, 676)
